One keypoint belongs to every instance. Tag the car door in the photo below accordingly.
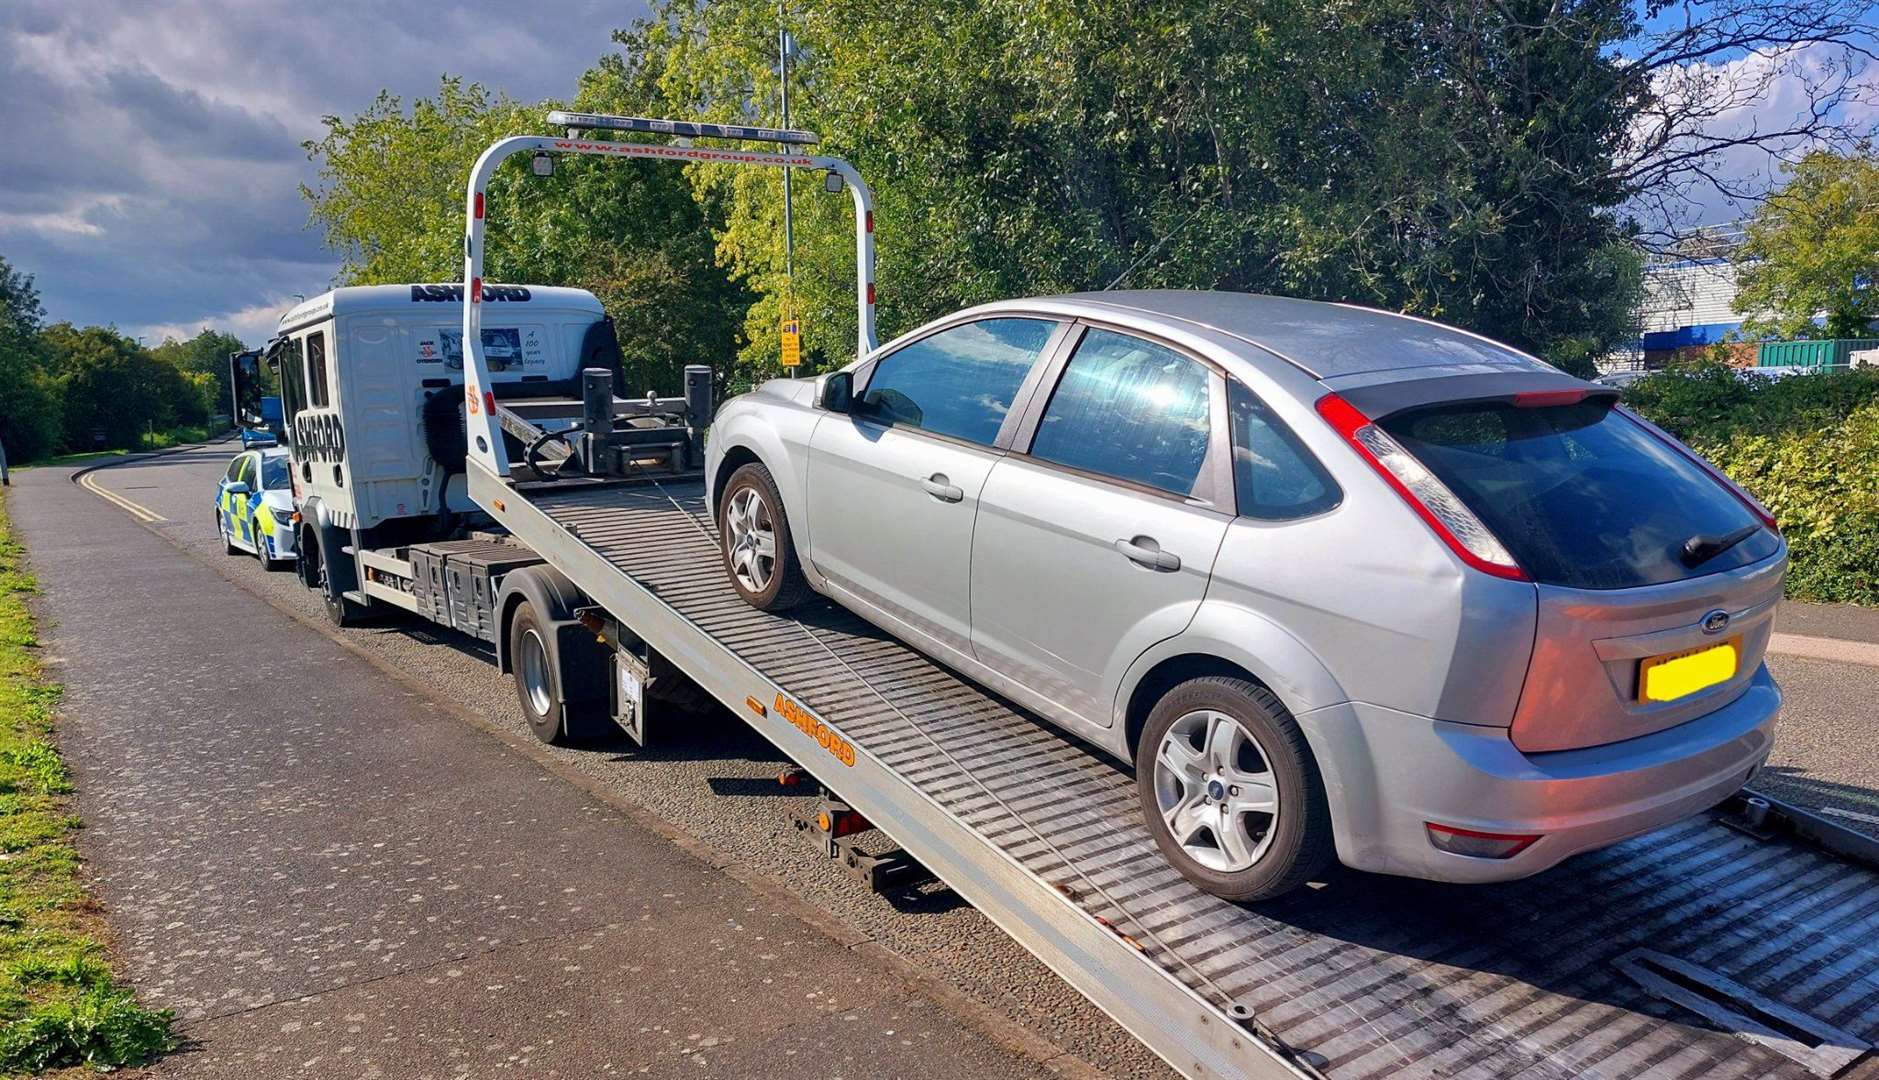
(242, 505)
(224, 502)
(893, 486)
(1098, 539)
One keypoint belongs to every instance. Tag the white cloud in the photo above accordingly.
(1758, 94)
(152, 162)
(253, 324)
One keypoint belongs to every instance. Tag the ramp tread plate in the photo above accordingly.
(1382, 976)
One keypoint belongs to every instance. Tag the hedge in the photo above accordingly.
(1806, 446)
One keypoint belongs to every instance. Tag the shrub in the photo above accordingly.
(1823, 486)
(1710, 402)
(1807, 446)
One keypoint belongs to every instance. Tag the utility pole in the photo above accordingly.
(783, 47)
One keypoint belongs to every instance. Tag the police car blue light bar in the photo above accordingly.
(683, 128)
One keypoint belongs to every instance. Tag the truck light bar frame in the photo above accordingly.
(687, 129)
(485, 432)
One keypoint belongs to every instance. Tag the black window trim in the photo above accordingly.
(1021, 398)
(325, 399)
(1216, 469)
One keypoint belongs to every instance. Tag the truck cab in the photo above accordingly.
(371, 383)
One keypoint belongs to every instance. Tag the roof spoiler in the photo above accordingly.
(1521, 388)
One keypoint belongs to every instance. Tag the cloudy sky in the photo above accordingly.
(150, 174)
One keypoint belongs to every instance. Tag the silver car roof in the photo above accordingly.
(1325, 340)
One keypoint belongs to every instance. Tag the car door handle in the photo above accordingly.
(1144, 551)
(942, 488)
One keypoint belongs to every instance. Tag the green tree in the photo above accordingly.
(29, 402)
(203, 360)
(390, 194)
(111, 383)
(1814, 247)
(1449, 161)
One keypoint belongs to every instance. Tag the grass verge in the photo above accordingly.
(59, 1001)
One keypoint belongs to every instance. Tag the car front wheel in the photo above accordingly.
(1230, 791)
(754, 536)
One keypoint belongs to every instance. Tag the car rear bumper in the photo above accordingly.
(1388, 773)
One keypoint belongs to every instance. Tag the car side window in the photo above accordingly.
(1129, 409)
(246, 475)
(1274, 477)
(958, 382)
(234, 469)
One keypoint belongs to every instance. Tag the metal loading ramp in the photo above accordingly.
(1696, 951)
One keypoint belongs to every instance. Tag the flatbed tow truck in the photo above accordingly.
(1740, 943)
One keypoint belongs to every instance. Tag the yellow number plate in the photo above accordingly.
(1680, 674)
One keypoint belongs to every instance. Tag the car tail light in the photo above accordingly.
(1446, 515)
(1765, 515)
(1547, 399)
(1479, 845)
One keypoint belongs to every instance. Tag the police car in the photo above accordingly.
(254, 507)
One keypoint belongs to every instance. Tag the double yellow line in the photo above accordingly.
(89, 482)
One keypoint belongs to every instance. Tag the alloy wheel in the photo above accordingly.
(1215, 791)
(750, 539)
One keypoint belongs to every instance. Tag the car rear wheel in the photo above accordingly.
(758, 553)
(228, 538)
(1230, 791)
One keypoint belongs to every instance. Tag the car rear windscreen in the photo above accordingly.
(1581, 495)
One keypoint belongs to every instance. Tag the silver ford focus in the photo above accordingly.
(1339, 583)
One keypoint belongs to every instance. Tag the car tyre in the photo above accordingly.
(228, 538)
(1201, 737)
(754, 538)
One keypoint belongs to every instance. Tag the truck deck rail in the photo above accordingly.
(1701, 950)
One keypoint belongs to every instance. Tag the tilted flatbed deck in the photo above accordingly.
(1366, 977)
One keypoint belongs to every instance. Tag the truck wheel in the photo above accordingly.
(754, 534)
(340, 610)
(538, 684)
(1230, 790)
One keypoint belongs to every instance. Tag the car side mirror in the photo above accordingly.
(239, 487)
(838, 392)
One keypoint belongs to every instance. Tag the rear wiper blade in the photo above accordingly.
(1703, 547)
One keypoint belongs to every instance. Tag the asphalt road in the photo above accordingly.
(340, 868)
(710, 779)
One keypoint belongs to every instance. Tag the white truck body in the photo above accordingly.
(366, 359)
